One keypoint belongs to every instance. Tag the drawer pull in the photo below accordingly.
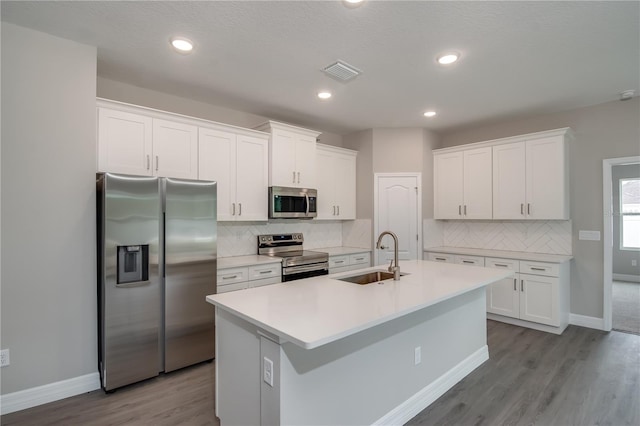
(229, 277)
(266, 272)
(339, 261)
(359, 258)
(502, 265)
(441, 258)
(468, 261)
(538, 269)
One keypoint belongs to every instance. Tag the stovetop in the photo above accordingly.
(289, 248)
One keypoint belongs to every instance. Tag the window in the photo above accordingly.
(630, 214)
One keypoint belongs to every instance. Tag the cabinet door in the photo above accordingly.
(345, 187)
(305, 162)
(124, 142)
(175, 149)
(546, 179)
(448, 185)
(251, 178)
(503, 297)
(539, 299)
(477, 184)
(217, 161)
(509, 181)
(325, 171)
(283, 158)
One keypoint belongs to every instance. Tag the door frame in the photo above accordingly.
(376, 230)
(607, 240)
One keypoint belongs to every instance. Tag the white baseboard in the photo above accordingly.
(529, 324)
(39, 395)
(585, 321)
(625, 277)
(425, 397)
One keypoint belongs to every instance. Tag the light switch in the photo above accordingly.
(589, 235)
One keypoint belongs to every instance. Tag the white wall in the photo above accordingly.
(609, 130)
(48, 208)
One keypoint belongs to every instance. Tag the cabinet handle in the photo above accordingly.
(234, 209)
(148, 162)
(239, 209)
(294, 177)
(334, 210)
(501, 265)
(521, 285)
(538, 269)
(465, 209)
(266, 272)
(157, 162)
(298, 177)
(338, 210)
(229, 277)
(528, 208)
(359, 258)
(522, 209)
(441, 258)
(468, 261)
(459, 210)
(515, 283)
(339, 261)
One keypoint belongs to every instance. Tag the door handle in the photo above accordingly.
(459, 210)
(239, 209)
(338, 210)
(157, 162)
(521, 285)
(334, 210)
(465, 209)
(148, 162)
(234, 209)
(515, 283)
(522, 209)
(528, 208)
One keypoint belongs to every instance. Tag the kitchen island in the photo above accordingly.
(326, 351)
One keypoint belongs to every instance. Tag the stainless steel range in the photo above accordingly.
(297, 263)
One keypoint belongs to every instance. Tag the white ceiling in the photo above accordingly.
(266, 57)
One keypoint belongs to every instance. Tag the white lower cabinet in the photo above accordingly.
(349, 262)
(439, 257)
(232, 279)
(468, 260)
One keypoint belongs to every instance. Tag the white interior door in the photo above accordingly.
(398, 209)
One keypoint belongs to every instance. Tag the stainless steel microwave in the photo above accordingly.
(292, 203)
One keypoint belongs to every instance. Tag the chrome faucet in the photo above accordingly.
(393, 266)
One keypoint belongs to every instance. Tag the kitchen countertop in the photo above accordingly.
(249, 260)
(339, 251)
(315, 311)
(521, 255)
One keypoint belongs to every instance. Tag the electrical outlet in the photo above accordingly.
(4, 358)
(267, 371)
(417, 355)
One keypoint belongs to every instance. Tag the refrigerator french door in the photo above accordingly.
(156, 264)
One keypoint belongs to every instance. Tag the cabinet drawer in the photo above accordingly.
(360, 258)
(265, 281)
(337, 261)
(232, 275)
(469, 260)
(540, 268)
(231, 287)
(265, 271)
(494, 262)
(440, 257)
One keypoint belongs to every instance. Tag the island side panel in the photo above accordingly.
(365, 377)
(238, 371)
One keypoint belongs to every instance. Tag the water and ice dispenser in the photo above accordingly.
(133, 264)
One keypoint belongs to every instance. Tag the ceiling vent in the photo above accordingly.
(342, 71)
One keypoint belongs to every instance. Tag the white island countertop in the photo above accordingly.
(315, 311)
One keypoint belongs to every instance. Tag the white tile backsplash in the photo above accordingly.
(540, 236)
(239, 238)
(432, 233)
(357, 233)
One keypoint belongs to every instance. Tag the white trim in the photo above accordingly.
(376, 230)
(427, 395)
(44, 394)
(607, 239)
(585, 321)
(627, 277)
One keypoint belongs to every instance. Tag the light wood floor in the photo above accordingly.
(584, 377)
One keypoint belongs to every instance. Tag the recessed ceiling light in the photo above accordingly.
(324, 95)
(181, 44)
(448, 58)
(352, 3)
(430, 114)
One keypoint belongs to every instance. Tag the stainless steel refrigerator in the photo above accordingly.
(156, 263)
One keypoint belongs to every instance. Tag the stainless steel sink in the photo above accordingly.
(369, 277)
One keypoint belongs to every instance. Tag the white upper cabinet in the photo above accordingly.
(125, 142)
(292, 155)
(336, 183)
(462, 184)
(238, 163)
(530, 179)
(522, 177)
(175, 149)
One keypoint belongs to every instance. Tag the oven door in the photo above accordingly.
(304, 271)
(292, 203)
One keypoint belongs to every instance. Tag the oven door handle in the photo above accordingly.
(305, 268)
